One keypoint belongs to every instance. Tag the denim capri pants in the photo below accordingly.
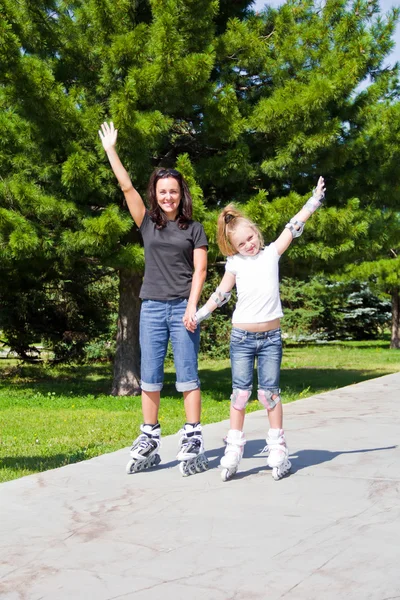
(161, 320)
(245, 348)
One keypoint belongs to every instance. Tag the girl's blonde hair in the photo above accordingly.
(228, 221)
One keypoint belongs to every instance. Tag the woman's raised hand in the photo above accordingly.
(108, 135)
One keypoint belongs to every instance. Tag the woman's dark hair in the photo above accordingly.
(185, 207)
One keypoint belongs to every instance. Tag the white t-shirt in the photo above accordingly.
(257, 284)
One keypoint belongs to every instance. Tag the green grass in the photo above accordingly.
(53, 416)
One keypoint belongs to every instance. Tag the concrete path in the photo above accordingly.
(329, 531)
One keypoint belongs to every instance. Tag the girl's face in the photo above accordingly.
(245, 240)
(168, 193)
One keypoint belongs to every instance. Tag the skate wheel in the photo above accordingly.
(225, 474)
(204, 463)
(134, 466)
(192, 468)
(130, 467)
(280, 472)
(155, 460)
(183, 469)
(201, 464)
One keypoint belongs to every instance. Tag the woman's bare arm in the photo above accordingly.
(108, 136)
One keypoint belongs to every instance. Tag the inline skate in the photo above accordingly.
(144, 451)
(191, 450)
(278, 454)
(235, 442)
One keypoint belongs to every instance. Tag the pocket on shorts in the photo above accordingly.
(275, 337)
(238, 336)
(147, 305)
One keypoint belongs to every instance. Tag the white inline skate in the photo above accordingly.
(278, 454)
(235, 442)
(144, 451)
(191, 450)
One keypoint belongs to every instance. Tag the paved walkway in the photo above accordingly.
(329, 531)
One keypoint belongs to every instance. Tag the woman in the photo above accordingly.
(175, 250)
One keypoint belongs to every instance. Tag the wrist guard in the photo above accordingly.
(293, 225)
(201, 314)
(220, 297)
(314, 202)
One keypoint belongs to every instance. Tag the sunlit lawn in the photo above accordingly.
(52, 416)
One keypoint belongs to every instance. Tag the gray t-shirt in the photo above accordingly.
(168, 255)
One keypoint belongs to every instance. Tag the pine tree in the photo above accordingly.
(378, 155)
(251, 107)
(65, 68)
(306, 115)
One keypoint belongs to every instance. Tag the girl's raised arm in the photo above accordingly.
(108, 136)
(295, 226)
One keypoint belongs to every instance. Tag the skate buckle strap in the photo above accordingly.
(235, 442)
(188, 434)
(142, 441)
(195, 431)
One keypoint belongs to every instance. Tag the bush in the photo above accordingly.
(320, 309)
(65, 315)
(315, 310)
(215, 331)
(102, 348)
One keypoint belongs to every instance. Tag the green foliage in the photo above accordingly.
(102, 348)
(251, 107)
(63, 315)
(215, 331)
(319, 309)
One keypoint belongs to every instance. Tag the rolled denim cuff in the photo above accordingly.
(187, 386)
(151, 387)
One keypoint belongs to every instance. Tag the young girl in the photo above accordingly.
(175, 250)
(256, 326)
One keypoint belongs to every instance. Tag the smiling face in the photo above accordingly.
(246, 240)
(168, 193)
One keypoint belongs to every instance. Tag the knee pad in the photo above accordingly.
(240, 398)
(265, 397)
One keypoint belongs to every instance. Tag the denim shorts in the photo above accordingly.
(160, 321)
(245, 348)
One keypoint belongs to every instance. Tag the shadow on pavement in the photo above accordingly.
(300, 460)
(309, 458)
(253, 449)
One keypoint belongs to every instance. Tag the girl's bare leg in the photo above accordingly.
(237, 418)
(275, 416)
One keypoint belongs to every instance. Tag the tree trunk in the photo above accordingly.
(395, 341)
(127, 357)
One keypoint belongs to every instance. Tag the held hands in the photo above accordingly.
(199, 316)
(189, 318)
(108, 135)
